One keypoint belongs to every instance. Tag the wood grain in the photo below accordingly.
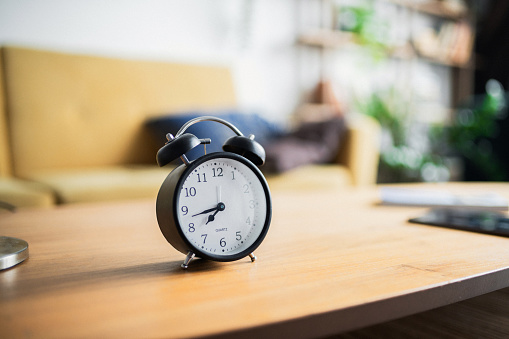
(332, 262)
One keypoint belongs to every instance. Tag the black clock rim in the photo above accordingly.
(265, 229)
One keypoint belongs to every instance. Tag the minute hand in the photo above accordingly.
(206, 211)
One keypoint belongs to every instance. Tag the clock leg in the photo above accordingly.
(252, 256)
(189, 257)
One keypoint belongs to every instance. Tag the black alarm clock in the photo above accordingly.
(217, 207)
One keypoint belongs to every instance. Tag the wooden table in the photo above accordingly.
(332, 262)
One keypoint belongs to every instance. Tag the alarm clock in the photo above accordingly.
(218, 206)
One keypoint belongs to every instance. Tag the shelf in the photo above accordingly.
(333, 39)
(326, 38)
(445, 62)
(433, 7)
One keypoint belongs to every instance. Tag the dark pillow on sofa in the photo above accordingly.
(316, 142)
(263, 130)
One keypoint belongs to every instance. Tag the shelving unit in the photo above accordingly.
(331, 38)
(426, 60)
(452, 47)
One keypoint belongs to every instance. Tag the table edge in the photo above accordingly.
(376, 312)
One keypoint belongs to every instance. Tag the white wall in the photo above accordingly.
(253, 37)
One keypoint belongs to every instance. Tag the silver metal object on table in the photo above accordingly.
(12, 251)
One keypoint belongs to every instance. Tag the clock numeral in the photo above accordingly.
(190, 192)
(222, 242)
(248, 221)
(184, 210)
(246, 188)
(251, 204)
(238, 236)
(201, 178)
(191, 228)
(204, 236)
(233, 175)
(218, 172)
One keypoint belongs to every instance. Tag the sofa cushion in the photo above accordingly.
(21, 193)
(263, 130)
(103, 184)
(310, 143)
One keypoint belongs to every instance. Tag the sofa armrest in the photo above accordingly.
(24, 193)
(360, 150)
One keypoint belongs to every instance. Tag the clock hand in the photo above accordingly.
(218, 191)
(211, 217)
(220, 207)
(206, 211)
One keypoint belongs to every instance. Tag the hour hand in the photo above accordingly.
(206, 211)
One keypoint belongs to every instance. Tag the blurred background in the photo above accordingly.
(433, 73)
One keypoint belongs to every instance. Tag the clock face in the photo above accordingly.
(223, 206)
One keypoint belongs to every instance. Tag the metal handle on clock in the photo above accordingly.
(207, 118)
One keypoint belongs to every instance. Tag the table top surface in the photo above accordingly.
(331, 262)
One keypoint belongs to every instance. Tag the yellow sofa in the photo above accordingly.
(72, 127)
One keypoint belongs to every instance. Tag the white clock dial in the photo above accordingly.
(222, 207)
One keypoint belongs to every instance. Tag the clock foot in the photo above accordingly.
(189, 257)
(252, 256)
